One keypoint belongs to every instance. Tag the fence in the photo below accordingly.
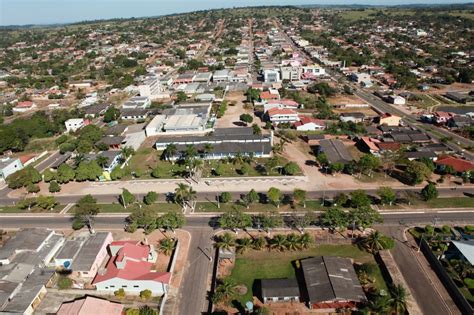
(448, 283)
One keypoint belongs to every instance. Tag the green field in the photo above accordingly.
(264, 264)
(14, 209)
(452, 202)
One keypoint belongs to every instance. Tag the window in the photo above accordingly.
(112, 286)
(124, 286)
(136, 286)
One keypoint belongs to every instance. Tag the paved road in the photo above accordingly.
(431, 299)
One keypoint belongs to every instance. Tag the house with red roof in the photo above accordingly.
(132, 268)
(459, 165)
(442, 118)
(369, 145)
(25, 106)
(90, 305)
(283, 103)
(308, 123)
(282, 115)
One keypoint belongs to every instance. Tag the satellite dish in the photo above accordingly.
(249, 306)
(67, 264)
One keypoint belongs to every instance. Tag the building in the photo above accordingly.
(137, 102)
(221, 76)
(355, 117)
(271, 76)
(24, 272)
(442, 118)
(335, 151)
(308, 123)
(155, 126)
(396, 100)
(151, 88)
(90, 305)
(130, 267)
(313, 70)
(368, 145)
(224, 142)
(113, 158)
(459, 165)
(390, 120)
(84, 254)
(282, 115)
(9, 166)
(134, 114)
(280, 290)
(290, 73)
(459, 97)
(23, 107)
(459, 122)
(74, 124)
(331, 283)
(95, 111)
(283, 103)
(203, 77)
(463, 250)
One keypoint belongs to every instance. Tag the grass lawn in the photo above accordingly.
(40, 145)
(266, 265)
(451, 202)
(118, 208)
(14, 209)
(211, 206)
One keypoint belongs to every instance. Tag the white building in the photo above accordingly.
(314, 70)
(152, 88)
(221, 76)
(155, 126)
(271, 76)
(74, 124)
(282, 115)
(137, 102)
(396, 100)
(290, 73)
(9, 166)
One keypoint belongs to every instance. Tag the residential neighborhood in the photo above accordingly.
(298, 159)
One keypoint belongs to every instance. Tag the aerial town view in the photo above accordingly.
(244, 157)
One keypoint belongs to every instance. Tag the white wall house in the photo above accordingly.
(9, 166)
(74, 124)
(282, 115)
(271, 76)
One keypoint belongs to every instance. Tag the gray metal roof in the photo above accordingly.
(26, 239)
(69, 249)
(89, 251)
(5, 162)
(61, 159)
(280, 288)
(331, 279)
(335, 151)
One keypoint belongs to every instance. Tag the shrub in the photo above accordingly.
(120, 293)
(145, 294)
(469, 283)
(64, 283)
(469, 228)
(225, 197)
(429, 229)
(446, 229)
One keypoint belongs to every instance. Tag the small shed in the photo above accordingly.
(280, 290)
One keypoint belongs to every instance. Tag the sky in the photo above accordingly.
(20, 12)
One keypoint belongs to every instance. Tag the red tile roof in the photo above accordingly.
(458, 164)
(370, 143)
(284, 102)
(307, 120)
(266, 95)
(281, 111)
(389, 146)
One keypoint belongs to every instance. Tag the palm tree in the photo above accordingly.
(102, 160)
(278, 243)
(398, 301)
(184, 194)
(293, 242)
(225, 291)
(225, 241)
(126, 152)
(167, 246)
(249, 158)
(190, 152)
(244, 244)
(462, 267)
(379, 305)
(305, 240)
(208, 148)
(78, 159)
(238, 159)
(374, 242)
(170, 152)
(259, 243)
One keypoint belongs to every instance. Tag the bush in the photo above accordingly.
(64, 283)
(32, 188)
(120, 293)
(225, 197)
(145, 294)
(446, 229)
(132, 311)
(77, 224)
(54, 187)
(469, 228)
(429, 229)
(469, 283)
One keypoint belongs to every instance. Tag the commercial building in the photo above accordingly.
(224, 142)
(282, 115)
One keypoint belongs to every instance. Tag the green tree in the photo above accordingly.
(250, 198)
(225, 291)
(120, 293)
(46, 202)
(429, 192)
(291, 168)
(24, 177)
(32, 188)
(246, 118)
(147, 310)
(235, 219)
(244, 244)
(359, 198)
(111, 114)
(65, 174)
(278, 243)
(144, 217)
(376, 241)
(150, 198)
(181, 97)
(416, 172)
(126, 198)
(54, 187)
(184, 195)
(169, 152)
(364, 217)
(256, 129)
(86, 209)
(225, 197)
(270, 220)
(398, 300)
(49, 175)
(88, 171)
(252, 95)
(387, 195)
(274, 196)
(171, 220)
(334, 218)
(368, 163)
(299, 196)
(145, 294)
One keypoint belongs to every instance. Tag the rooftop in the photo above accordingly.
(89, 251)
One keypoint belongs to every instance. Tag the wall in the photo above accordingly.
(448, 283)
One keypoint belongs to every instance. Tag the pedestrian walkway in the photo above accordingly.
(67, 208)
